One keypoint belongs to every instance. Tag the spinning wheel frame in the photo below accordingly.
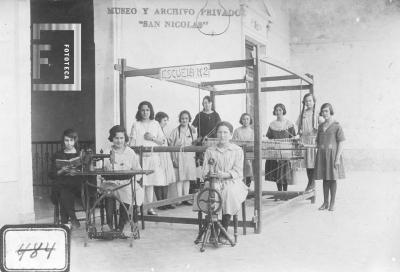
(213, 194)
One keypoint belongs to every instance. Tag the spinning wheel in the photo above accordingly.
(209, 201)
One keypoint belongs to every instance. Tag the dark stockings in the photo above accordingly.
(67, 203)
(123, 216)
(161, 192)
(311, 180)
(110, 209)
(329, 186)
(326, 186)
(248, 181)
(226, 219)
(332, 189)
(281, 187)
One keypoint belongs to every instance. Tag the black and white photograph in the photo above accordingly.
(200, 135)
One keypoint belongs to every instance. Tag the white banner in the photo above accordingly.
(185, 72)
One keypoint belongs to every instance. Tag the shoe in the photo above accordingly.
(323, 207)
(309, 189)
(187, 203)
(223, 240)
(75, 224)
(105, 228)
(151, 212)
(331, 208)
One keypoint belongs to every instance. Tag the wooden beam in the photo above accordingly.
(278, 78)
(286, 88)
(169, 148)
(223, 82)
(233, 91)
(169, 201)
(266, 89)
(188, 220)
(279, 193)
(258, 175)
(286, 205)
(290, 71)
(213, 66)
(122, 93)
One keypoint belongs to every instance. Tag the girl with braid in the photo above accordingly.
(307, 124)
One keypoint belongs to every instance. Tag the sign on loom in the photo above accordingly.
(185, 72)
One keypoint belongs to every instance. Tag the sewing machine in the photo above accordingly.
(91, 167)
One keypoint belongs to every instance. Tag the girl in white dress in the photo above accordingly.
(166, 164)
(307, 124)
(228, 159)
(185, 162)
(123, 158)
(147, 132)
(245, 133)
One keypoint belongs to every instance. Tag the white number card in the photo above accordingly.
(35, 248)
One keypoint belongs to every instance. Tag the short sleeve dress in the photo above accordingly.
(126, 160)
(151, 161)
(245, 134)
(327, 143)
(280, 171)
(308, 123)
(185, 160)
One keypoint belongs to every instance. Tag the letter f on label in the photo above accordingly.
(36, 48)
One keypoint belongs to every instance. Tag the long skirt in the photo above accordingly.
(280, 172)
(309, 153)
(152, 162)
(167, 167)
(186, 166)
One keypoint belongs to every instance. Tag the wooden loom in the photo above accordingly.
(251, 152)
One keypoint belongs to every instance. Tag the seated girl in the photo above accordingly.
(122, 158)
(228, 159)
(65, 185)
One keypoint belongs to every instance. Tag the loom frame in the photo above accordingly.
(255, 62)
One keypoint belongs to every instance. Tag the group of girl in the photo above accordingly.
(179, 169)
(324, 162)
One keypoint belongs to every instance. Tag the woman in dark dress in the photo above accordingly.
(206, 122)
(280, 171)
